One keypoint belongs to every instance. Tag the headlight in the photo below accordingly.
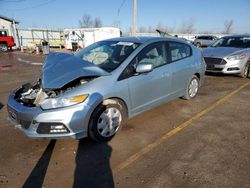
(236, 57)
(63, 102)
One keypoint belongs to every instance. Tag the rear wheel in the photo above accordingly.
(106, 120)
(246, 70)
(3, 47)
(198, 45)
(192, 88)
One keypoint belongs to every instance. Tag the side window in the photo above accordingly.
(179, 51)
(154, 53)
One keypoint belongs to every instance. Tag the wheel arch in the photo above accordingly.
(3, 42)
(198, 75)
(111, 100)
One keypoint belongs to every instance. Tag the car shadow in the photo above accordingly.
(1, 105)
(93, 165)
(92, 161)
(36, 177)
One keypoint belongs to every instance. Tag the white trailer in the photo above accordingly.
(82, 37)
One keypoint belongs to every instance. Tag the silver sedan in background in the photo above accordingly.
(93, 92)
(229, 55)
(204, 40)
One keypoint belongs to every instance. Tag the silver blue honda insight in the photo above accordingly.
(93, 92)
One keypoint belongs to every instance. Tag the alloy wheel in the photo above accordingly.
(193, 88)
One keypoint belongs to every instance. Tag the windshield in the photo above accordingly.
(236, 42)
(107, 55)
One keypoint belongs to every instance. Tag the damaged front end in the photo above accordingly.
(49, 107)
(61, 72)
(30, 95)
(33, 95)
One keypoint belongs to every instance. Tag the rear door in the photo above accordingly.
(207, 40)
(182, 65)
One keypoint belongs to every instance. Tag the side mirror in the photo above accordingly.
(144, 67)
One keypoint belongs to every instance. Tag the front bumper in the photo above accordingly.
(234, 67)
(30, 119)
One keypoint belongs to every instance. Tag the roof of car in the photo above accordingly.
(244, 35)
(205, 36)
(140, 39)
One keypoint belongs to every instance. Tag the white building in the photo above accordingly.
(9, 25)
(85, 36)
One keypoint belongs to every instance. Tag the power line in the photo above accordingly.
(29, 7)
(119, 9)
(12, 1)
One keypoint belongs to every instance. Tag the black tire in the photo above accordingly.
(198, 45)
(187, 95)
(93, 131)
(245, 71)
(3, 47)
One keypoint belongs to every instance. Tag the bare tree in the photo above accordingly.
(142, 29)
(228, 26)
(187, 27)
(150, 29)
(86, 21)
(160, 26)
(164, 28)
(97, 23)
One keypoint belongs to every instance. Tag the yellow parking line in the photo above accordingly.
(153, 145)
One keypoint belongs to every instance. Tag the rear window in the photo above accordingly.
(201, 37)
(206, 37)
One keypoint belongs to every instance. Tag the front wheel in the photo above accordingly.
(3, 47)
(192, 88)
(106, 120)
(245, 71)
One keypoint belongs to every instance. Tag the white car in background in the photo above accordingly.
(204, 40)
(229, 55)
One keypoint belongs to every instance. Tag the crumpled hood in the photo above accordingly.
(221, 52)
(62, 68)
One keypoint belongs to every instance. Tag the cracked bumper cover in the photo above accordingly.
(75, 118)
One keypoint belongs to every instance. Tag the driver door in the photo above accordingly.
(152, 88)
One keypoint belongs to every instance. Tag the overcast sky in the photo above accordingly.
(207, 15)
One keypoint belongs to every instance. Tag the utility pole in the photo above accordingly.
(134, 20)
